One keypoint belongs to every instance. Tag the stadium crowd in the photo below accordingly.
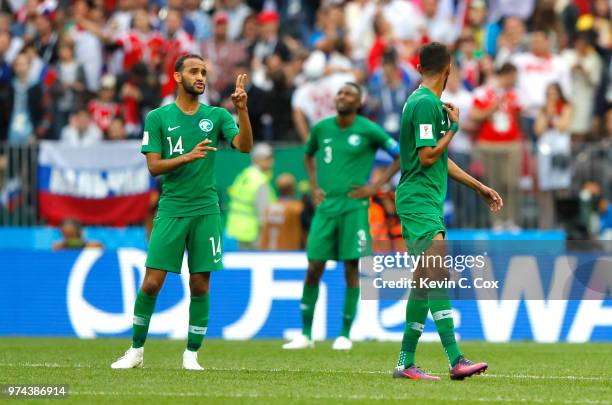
(532, 78)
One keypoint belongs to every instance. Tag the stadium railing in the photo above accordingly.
(589, 162)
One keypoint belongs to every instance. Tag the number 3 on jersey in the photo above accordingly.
(328, 155)
(178, 148)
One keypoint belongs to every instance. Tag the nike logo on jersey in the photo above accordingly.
(327, 140)
(170, 129)
(443, 122)
(217, 260)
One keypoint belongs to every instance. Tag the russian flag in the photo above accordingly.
(11, 195)
(103, 184)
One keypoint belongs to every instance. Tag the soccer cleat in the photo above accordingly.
(190, 361)
(466, 368)
(299, 342)
(342, 343)
(133, 358)
(414, 373)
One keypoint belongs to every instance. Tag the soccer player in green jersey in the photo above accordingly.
(180, 141)
(427, 127)
(339, 157)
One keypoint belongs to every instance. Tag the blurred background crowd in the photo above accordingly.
(532, 79)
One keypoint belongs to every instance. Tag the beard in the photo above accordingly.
(191, 90)
(345, 111)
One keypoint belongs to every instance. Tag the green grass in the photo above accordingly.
(261, 372)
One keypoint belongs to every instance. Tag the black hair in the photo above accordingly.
(434, 57)
(506, 68)
(389, 57)
(178, 65)
(557, 86)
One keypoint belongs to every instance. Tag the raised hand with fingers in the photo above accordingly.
(239, 96)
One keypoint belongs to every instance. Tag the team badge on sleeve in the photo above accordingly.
(145, 138)
(425, 131)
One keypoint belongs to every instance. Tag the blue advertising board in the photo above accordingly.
(90, 293)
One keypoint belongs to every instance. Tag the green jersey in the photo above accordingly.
(344, 158)
(190, 189)
(422, 189)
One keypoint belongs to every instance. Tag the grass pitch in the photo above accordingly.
(261, 372)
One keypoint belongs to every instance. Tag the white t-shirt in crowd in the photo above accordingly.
(316, 99)
(534, 75)
(91, 136)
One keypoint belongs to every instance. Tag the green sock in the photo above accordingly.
(417, 309)
(143, 309)
(307, 305)
(441, 311)
(198, 321)
(351, 299)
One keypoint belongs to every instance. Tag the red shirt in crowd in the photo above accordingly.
(175, 47)
(503, 125)
(140, 47)
(103, 112)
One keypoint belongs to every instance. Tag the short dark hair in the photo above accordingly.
(434, 57)
(356, 86)
(506, 69)
(178, 65)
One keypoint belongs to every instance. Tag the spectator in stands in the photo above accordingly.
(5, 63)
(360, 29)
(269, 43)
(177, 42)
(552, 127)
(440, 27)
(140, 93)
(407, 22)
(495, 111)
(388, 90)
(477, 22)
(237, 11)
(602, 23)
(46, 39)
(250, 195)
(81, 130)
(142, 44)
(221, 56)
(86, 34)
(68, 90)
(22, 108)
(466, 204)
(536, 70)
(116, 130)
(334, 29)
(546, 20)
(198, 21)
(282, 227)
(278, 101)
(314, 99)
(586, 71)
(511, 41)
(468, 58)
(105, 108)
(72, 237)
